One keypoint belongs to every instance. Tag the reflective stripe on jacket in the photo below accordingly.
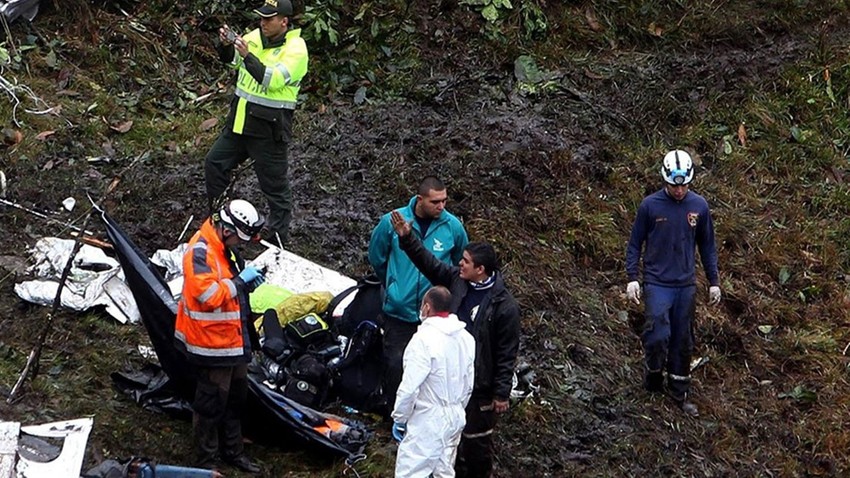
(209, 327)
(284, 67)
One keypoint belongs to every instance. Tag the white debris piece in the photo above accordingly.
(9, 432)
(74, 433)
(13, 9)
(147, 352)
(94, 279)
(171, 261)
(69, 203)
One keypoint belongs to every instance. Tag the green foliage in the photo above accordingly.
(15, 56)
(801, 394)
(376, 54)
(322, 21)
(534, 21)
(491, 10)
(497, 13)
(5, 57)
(225, 9)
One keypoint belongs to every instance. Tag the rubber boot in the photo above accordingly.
(653, 382)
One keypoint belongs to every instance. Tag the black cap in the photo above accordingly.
(275, 7)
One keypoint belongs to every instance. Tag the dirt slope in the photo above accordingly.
(551, 172)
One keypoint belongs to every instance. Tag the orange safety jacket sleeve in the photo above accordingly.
(207, 286)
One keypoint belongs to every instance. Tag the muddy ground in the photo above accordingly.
(551, 173)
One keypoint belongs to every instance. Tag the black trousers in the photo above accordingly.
(271, 164)
(475, 452)
(397, 334)
(220, 395)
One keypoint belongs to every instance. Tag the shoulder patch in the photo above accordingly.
(693, 218)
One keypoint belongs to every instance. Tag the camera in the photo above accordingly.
(230, 35)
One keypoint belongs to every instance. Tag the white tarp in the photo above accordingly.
(297, 274)
(283, 269)
(95, 279)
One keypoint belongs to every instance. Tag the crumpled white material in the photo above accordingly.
(95, 279)
(13, 9)
(74, 435)
(171, 261)
(297, 274)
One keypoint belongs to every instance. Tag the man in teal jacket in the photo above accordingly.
(442, 233)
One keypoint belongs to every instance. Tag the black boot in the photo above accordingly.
(687, 407)
(653, 382)
(243, 463)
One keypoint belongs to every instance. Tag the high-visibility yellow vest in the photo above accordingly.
(285, 66)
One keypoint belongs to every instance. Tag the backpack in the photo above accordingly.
(358, 375)
(307, 383)
(309, 334)
(366, 305)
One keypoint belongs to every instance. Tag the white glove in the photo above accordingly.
(633, 292)
(713, 295)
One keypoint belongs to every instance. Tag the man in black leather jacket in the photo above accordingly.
(480, 299)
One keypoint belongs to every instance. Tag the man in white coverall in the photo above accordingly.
(429, 413)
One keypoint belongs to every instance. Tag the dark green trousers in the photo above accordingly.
(217, 419)
(271, 164)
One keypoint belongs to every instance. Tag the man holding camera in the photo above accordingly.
(271, 62)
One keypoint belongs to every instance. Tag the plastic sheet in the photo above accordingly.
(95, 279)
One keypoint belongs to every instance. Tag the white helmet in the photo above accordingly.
(242, 217)
(677, 168)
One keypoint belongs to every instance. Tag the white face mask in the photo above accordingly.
(422, 315)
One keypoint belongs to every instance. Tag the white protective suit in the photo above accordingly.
(436, 385)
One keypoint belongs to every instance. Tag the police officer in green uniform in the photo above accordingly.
(271, 61)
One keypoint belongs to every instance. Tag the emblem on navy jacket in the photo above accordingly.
(693, 217)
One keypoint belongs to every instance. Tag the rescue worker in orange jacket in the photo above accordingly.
(212, 331)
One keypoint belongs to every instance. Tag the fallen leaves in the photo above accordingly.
(592, 21)
(655, 30)
(742, 134)
(44, 135)
(11, 137)
(122, 127)
(208, 124)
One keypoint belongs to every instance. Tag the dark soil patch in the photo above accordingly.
(547, 175)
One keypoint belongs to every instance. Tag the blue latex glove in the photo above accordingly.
(252, 277)
(399, 429)
(257, 283)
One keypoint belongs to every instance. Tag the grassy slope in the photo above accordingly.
(559, 207)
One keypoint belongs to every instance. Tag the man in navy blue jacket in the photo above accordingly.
(672, 223)
(481, 300)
